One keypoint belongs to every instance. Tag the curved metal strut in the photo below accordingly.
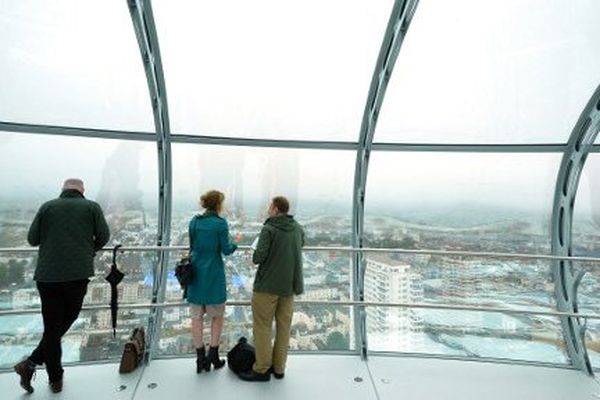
(396, 30)
(145, 30)
(566, 281)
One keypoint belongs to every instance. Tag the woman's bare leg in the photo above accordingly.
(198, 332)
(216, 328)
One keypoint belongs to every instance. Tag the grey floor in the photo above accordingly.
(320, 377)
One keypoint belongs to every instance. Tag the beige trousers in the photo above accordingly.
(265, 307)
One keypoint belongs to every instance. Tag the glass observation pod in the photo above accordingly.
(442, 157)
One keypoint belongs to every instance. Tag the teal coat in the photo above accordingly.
(209, 238)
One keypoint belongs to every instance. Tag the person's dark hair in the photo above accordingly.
(282, 204)
(212, 200)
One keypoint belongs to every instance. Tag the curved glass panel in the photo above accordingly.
(492, 202)
(462, 281)
(586, 242)
(32, 168)
(475, 71)
(120, 175)
(89, 339)
(473, 335)
(62, 65)
(270, 68)
(319, 186)
(461, 201)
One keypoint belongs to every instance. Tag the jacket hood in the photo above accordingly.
(285, 223)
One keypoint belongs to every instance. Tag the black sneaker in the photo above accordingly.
(275, 374)
(26, 372)
(253, 376)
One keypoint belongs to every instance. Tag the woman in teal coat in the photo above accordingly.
(209, 239)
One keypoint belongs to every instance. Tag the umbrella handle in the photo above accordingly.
(114, 253)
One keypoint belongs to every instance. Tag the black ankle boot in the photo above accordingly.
(213, 358)
(201, 360)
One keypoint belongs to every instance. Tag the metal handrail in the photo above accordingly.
(346, 249)
(349, 303)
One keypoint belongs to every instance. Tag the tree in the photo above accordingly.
(408, 243)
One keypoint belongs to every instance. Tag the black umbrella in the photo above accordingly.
(114, 277)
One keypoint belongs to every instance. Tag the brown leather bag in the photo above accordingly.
(133, 354)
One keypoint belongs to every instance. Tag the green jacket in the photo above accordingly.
(279, 257)
(69, 231)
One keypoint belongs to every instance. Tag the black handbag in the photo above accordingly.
(184, 274)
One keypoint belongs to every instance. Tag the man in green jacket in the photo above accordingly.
(69, 230)
(279, 277)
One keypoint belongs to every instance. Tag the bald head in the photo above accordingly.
(74, 184)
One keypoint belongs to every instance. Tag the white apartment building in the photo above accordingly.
(393, 328)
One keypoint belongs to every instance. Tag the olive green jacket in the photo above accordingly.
(279, 257)
(69, 231)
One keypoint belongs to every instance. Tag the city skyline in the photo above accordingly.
(429, 279)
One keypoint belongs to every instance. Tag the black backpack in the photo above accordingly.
(241, 358)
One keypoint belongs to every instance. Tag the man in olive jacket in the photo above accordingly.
(69, 230)
(279, 277)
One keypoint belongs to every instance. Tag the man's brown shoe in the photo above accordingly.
(26, 372)
(57, 386)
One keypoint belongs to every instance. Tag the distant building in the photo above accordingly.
(130, 292)
(320, 293)
(393, 328)
(98, 293)
(103, 319)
